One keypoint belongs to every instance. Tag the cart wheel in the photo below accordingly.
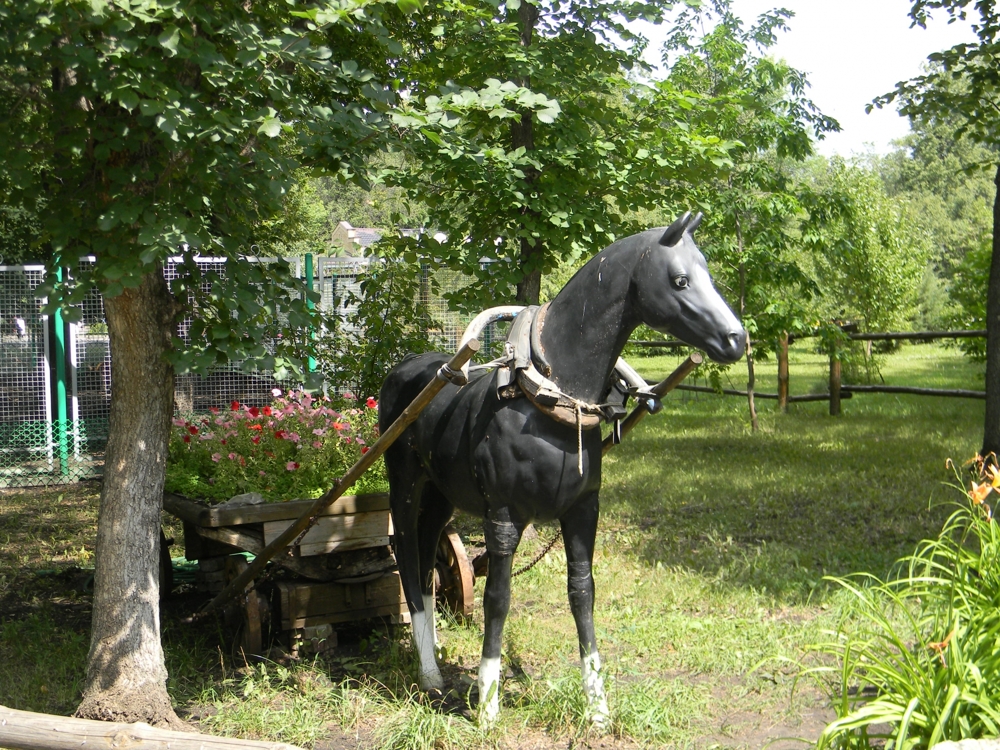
(166, 568)
(453, 575)
(251, 608)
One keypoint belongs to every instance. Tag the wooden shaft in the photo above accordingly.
(834, 386)
(783, 371)
(404, 420)
(661, 389)
(26, 730)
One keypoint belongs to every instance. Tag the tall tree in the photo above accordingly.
(556, 174)
(760, 105)
(962, 88)
(154, 129)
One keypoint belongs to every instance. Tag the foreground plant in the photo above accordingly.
(296, 447)
(919, 652)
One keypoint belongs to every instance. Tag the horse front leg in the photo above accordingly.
(579, 529)
(503, 534)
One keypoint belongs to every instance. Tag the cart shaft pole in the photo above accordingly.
(661, 389)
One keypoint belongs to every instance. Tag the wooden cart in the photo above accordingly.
(342, 570)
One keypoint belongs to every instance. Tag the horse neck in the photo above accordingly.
(587, 324)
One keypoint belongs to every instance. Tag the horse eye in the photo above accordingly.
(681, 282)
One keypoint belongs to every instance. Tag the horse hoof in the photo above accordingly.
(599, 720)
(432, 683)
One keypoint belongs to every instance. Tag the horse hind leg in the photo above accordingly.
(407, 483)
(503, 534)
(579, 529)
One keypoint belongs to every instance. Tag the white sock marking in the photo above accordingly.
(489, 690)
(423, 641)
(593, 687)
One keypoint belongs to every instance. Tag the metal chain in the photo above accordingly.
(539, 556)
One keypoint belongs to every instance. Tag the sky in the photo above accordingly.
(852, 51)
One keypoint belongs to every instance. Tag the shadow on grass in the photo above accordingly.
(807, 496)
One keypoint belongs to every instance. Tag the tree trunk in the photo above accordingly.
(522, 132)
(991, 433)
(126, 674)
(751, 374)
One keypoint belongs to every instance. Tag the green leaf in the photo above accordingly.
(271, 127)
(169, 39)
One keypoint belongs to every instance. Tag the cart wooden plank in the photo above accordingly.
(338, 532)
(204, 515)
(307, 604)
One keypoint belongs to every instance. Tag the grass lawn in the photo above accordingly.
(711, 555)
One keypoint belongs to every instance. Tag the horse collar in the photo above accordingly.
(528, 366)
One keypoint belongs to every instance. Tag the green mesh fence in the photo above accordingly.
(56, 379)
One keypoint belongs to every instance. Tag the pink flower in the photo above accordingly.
(262, 473)
(319, 432)
(232, 456)
(291, 466)
(178, 422)
(317, 444)
(216, 457)
(294, 437)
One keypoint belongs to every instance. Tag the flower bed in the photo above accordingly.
(295, 448)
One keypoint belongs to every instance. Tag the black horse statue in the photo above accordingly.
(516, 445)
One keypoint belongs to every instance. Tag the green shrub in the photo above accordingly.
(919, 654)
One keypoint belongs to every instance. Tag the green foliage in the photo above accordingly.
(967, 289)
(750, 199)
(295, 448)
(178, 128)
(531, 179)
(868, 258)
(918, 651)
(384, 323)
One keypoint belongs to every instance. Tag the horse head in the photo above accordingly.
(675, 293)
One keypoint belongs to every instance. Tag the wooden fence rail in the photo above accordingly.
(838, 391)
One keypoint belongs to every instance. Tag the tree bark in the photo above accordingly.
(522, 132)
(991, 432)
(126, 674)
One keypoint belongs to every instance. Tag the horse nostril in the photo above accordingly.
(737, 339)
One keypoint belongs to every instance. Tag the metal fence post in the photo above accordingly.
(62, 422)
(311, 365)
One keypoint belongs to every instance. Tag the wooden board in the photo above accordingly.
(206, 515)
(339, 532)
(304, 605)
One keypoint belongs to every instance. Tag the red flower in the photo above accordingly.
(192, 429)
(267, 411)
(280, 434)
(187, 438)
(364, 449)
(214, 409)
(254, 427)
(255, 439)
(371, 403)
(234, 406)
(254, 412)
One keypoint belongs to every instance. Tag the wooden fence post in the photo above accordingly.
(834, 386)
(783, 371)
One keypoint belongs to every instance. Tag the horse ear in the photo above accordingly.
(675, 231)
(695, 222)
